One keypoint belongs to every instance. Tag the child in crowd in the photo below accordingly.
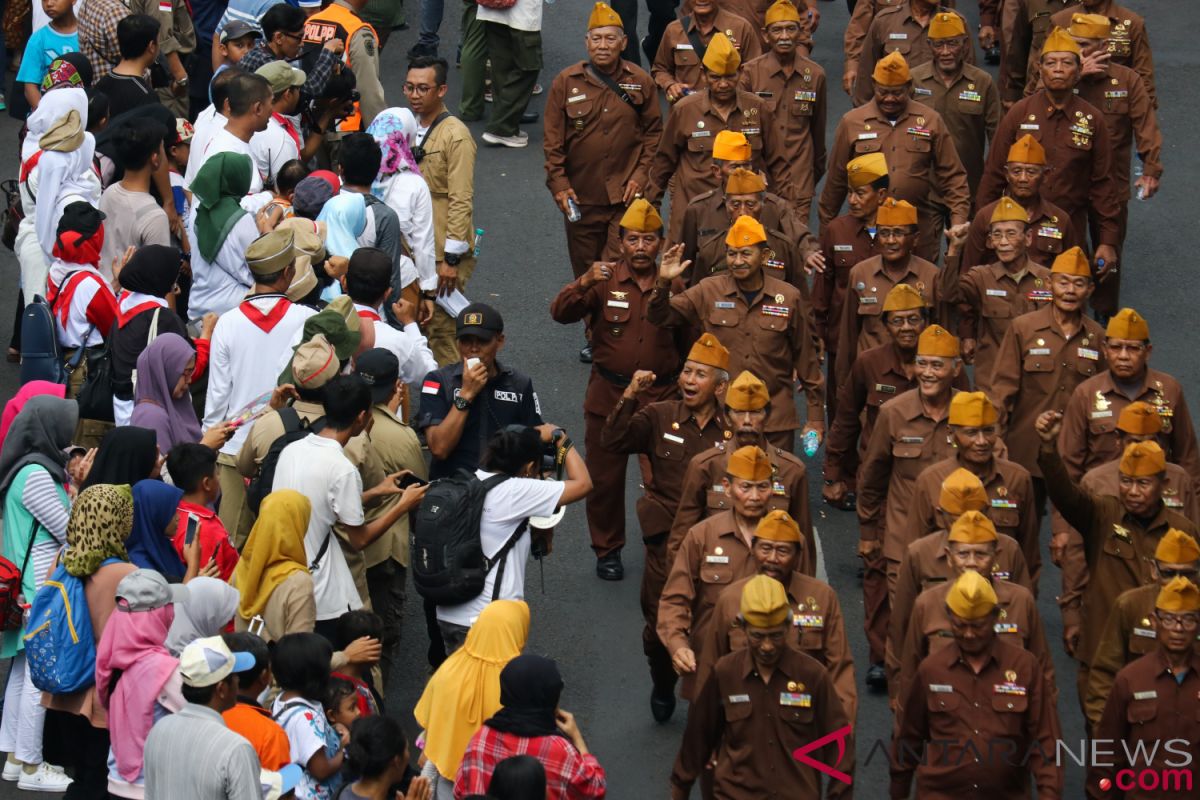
(237, 39)
(248, 717)
(193, 468)
(177, 158)
(378, 753)
(341, 702)
(290, 174)
(46, 44)
(300, 662)
(351, 626)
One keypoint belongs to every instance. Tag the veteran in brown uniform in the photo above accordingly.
(602, 128)
(975, 697)
(1130, 632)
(1024, 26)
(612, 297)
(793, 87)
(917, 145)
(1154, 707)
(760, 705)
(1128, 41)
(678, 64)
(817, 626)
(668, 433)
(764, 323)
(861, 17)
(713, 554)
(911, 432)
(904, 30)
(684, 154)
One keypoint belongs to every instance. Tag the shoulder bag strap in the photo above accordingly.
(151, 335)
(29, 547)
(693, 36)
(611, 84)
(429, 131)
(502, 557)
(316, 562)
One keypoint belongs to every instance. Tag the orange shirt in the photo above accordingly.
(255, 724)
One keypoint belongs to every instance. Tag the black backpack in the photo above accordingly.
(41, 357)
(448, 564)
(294, 429)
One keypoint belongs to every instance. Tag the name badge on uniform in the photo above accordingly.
(618, 304)
(716, 559)
(765, 95)
(1092, 355)
(776, 311)
(701, 134)
(751, 131)
(997, 293)
(810, 621)
(941, 688)
(795, 699)
(885, 388)
(577, 98)
(868, 299)
(684, 46)
(843, 248)
(631, 87)
(1145, 633)
(1102, 414)
(1030, 126)
(1002, 502)
(1010, 688)
(922, 91)
(670, 437)
(724, 304)
(871, 135)
(1148, 695)
(912, 439)
(1039, 351)
(803, 96)
(739, 698)
(897, 35)
(974, 97)
(1007, 627)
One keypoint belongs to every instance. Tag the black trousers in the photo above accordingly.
(661, 14)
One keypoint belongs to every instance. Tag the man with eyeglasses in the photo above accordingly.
(1130, 632)
(283, 33)
(340, 20)
(1154, 708)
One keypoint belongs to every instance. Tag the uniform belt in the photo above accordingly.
(624, 380)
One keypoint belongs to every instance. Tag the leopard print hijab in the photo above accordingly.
(100, 522)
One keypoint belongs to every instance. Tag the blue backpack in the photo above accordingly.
(58, 639)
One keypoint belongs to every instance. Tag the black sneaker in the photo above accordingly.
(877, 678)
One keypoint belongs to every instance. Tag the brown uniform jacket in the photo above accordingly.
(1078, 154)
(989, 298)
(667, 433)
(860, 20)
(784, 263)
(1024, 25)
(948, 705)
(970, 107)
(1149, 706)
(623, 339)
(1118, 546)
(753, 726)
(1053, 233)
(904, 442)
(595, 142)
(1128, 108)
(677, 61)
(449, 170)
(1012, 508)
(771, 337)
(702, 495)
(845, 241)
(1128, 42)
(894, 30)
(1036, 370)
(706, 215)
(920, 155)
(818, 630)
(796, 96)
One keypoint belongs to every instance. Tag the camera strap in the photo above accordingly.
(429, 131)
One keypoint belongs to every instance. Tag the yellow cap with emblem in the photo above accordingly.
(764, 602)
(1027, 150)
(745, 231)
(1007, 210)
(972, 527)
(972, 409)
(1072, 262)
(962, 491)
(603, 16)
(709, 350)
(895, 212)
(866, 169)
(731, 146)
(1176, 547)
(641, 216)
(781, 11)
(749, 464)
(1180, 596)
(745, 181)
(1143, 459)
(1059, 41)
(747, 393)
(1140, 419)
(971, 596)
(946, 25)
(1090, 26)
(1127, 324)
(891, 70)
(722, 57)
(903, 297)
(778, 526)
(938, 342)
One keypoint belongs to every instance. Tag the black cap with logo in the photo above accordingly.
(380, 369)
(479, 320)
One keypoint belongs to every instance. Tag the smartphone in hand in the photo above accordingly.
(193, 525)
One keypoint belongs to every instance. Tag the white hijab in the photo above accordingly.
(55, 104)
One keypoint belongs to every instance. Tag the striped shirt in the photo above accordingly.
(192, 755)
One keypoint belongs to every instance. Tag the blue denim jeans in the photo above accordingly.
(431, 21)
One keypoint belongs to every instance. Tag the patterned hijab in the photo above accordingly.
(101, 520)
(395, 129)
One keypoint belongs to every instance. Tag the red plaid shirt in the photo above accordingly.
(569, 775)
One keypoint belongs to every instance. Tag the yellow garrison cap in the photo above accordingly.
(731, 146)
(778, 526)
(745, 230)
(1176, 547)
(962, 491)
(1027, 150)
(972, 409)
(866, 169)
(1140, 419)
(1180, 596)
(271, 252)
(937, 341)
(1142, 459)
(1090, 26)
(764, 602)
(603, 16)
(744, 181)
(721, 56)
(971, 596)
(1007, 210)
(891, 70)
(1127, 324)
(903, 297)
(642, 217)
(781, 11)
(749, 463)
(709, 350)
(747, 393)
(896, 212)
(1072, 262)
(1059, 41)
(972, 527)
(946, 25)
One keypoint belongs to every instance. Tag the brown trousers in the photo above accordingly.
(442, 340)
(654, 576)
(595, 237)
(877, 608)
(605, 506)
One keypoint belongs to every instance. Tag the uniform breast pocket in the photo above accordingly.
(666, 450)
(1140, 645)
(802, 111)
(1101, 426)
(580, 110)
(994, 307)
(918, 144)
(778, 502)
(772, 322)
(753, 135)
(797, 717)
(1141, 712)
(864, 146)
(716, 574)
(970, 107)
(943, 702)
(1079, 142)
(725, 317)
(877, 397)
(901, 46)
(1010, 703)
(686, 58)
(1085, 366)
(906, 450)
(1038, 364)
(614, 314)
(1047, 244)
(716, 501)
(699, 145)
(1117, 106)
(813, 639)
(1040, 23)
(1116, 547)
(1005, 518)
(737, 715)
(843, 263)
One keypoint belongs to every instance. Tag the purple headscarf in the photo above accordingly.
(158, 370)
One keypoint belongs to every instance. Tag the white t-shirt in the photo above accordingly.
(223, 141)
(505, 507)
(317, 468)
(271, 149)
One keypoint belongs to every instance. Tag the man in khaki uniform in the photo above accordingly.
(793, 86)
(1024, 26)
(1128, 40)
(903, 30)
(861, 16)
(678, 65)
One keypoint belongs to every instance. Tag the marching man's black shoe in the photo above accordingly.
(609, 567)
(662, 703)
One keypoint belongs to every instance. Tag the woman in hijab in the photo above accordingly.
(23, 396)
(162, 400)
(531, 723)
(400, 185)
(220, 230)
(137, 680)
(125, 456)
(150, 544)
(36, 510)
(346, 216)
(465, 690)
(209, 608)
(272, 576)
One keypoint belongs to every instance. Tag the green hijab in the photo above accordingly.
(219, 187)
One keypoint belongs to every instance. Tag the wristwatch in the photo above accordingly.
(452, 259)
(461, 403)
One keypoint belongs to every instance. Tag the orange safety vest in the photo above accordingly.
(337, 22)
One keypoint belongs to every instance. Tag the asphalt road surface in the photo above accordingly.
(593, 628)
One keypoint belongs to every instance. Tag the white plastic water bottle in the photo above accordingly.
(811, 442)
